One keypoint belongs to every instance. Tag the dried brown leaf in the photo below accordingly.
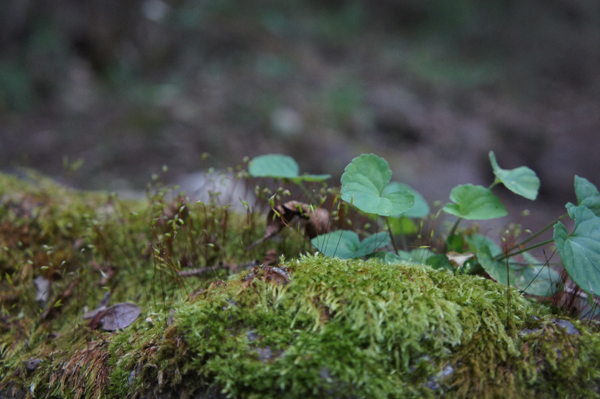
(100, 308)
(120, 316)
(271, 274)
(95, 322)
(277, 275)
(457, 259)
(318, 223)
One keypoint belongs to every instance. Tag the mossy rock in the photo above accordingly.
(311, 327)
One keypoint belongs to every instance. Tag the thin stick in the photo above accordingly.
(507, 293)
(233, 267)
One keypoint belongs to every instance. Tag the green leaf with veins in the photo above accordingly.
(273, 165)
(580, 250)
(345, 244)
(280, 167)
(419, 210)
(587, 194)
(475, 203)
(365, 185)
(476, 241)
(522, 180)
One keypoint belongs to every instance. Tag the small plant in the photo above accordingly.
(280, 167)
(366, 185)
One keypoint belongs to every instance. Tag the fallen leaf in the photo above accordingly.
(100, 308)
(95, 322)
(281, 215)
(277, 275)
(271, 274)
(458, 260)
(318, 223)
(120, 316)
(316, 220)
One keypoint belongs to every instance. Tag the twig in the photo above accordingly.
(233, 267)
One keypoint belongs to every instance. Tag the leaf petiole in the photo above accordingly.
(387, 220)
(541, 244)
(550, 225)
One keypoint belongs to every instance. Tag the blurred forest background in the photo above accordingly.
(431, 85)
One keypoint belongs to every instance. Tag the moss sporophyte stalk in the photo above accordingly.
(430, 319)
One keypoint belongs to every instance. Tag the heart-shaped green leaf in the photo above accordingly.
(419, 210)
(280, 166)
(587, 194)
(345, 244)
(532, 278)
(580, 250)
(475, 203)
(521, 180)
(273, 165)
(363, 184)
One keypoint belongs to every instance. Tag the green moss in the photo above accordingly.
(360, 329)
(335, 328)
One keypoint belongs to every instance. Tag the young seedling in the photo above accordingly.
(280, 166)
(366, 185)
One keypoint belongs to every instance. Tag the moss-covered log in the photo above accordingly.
(308, 327)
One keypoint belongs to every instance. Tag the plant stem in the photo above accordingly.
(304, 190)
(505, 256)
(404, 243)
(452, 231)
(494, 184)
(542, 230)
(387, 220)
(507, 295)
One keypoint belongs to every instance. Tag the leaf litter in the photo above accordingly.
(316, 221)
(116, 317)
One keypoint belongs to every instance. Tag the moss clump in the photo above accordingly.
(360, 329)
(312, 327)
